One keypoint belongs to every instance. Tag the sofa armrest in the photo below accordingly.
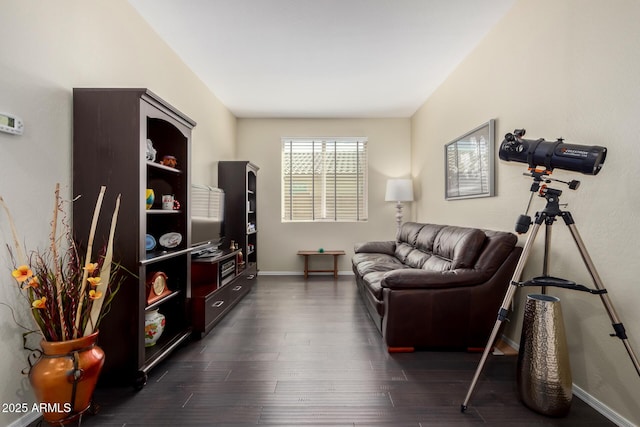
(411, 278)
(383, 247)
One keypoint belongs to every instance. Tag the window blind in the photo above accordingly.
(324, 179)
(207, 202)
(468, 166)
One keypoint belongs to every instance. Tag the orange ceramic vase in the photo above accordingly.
(65, 376)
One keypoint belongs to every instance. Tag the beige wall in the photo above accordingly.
(558, 69)
(259, 140)
(50, 48)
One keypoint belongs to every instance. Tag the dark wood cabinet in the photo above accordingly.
(218, 284)
(112, 130)
(238, 179)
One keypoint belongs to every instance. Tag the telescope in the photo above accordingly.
(586, 159)
(578, 158)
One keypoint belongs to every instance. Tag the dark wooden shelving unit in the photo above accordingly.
(219, 282)
(110, 132)
(239, 179)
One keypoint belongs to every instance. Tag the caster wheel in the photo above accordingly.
(141, 381)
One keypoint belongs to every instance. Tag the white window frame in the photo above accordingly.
(324, 200)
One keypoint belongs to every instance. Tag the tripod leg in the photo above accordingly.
(547, 251)
(502, 313)
(606, 301)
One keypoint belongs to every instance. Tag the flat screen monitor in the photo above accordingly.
(207, 213)
(206, 231)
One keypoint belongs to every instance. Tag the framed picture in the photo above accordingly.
(469, 164)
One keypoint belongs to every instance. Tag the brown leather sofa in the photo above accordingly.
(436, 286)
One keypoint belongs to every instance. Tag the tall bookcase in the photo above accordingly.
(111, 130)
(239, 180)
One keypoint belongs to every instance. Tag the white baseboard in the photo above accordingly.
(513, 344)
(607, 412)
(279, 273)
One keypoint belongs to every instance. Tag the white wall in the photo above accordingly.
(49, 48)
(259, 140)
(558, 69)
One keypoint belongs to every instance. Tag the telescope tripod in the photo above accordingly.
(548, 216)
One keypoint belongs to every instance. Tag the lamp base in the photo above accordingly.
(399, 215)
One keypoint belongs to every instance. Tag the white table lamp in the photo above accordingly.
(399, 190)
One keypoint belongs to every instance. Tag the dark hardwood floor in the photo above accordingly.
(301, 352)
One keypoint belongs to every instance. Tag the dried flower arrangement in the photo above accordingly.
(67, 294)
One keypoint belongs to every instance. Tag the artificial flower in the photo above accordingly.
(39, 303)
(91, 267)
(22, 273)
(95, 294)
(34, 282)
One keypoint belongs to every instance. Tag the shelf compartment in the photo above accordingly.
(152, 257)
(163, 167)
(171, 338)
(162, 300)
(163, 211)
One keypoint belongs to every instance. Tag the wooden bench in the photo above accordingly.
(335, 255)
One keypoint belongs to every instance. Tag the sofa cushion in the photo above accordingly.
(373, 283)
(416, 258)
(407, 236)
(402, 251)
(423, 246)
(372, 257)
(381, 247)
(383, 263)
(497, 247)
(455, 247)
(409, 232)
(427, 237)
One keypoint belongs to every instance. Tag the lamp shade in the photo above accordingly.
(399, 190)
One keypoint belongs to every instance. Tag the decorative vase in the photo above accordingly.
(153, 327)
(65, 376)
(149, 198)
(544, 372)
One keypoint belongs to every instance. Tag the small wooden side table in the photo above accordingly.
(306, 255)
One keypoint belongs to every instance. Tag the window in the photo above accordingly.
(324, 179)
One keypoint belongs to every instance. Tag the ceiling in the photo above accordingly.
(322, 58)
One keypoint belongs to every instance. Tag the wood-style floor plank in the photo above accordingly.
(301, 352)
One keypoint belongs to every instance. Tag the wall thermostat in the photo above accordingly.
(11, 124)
